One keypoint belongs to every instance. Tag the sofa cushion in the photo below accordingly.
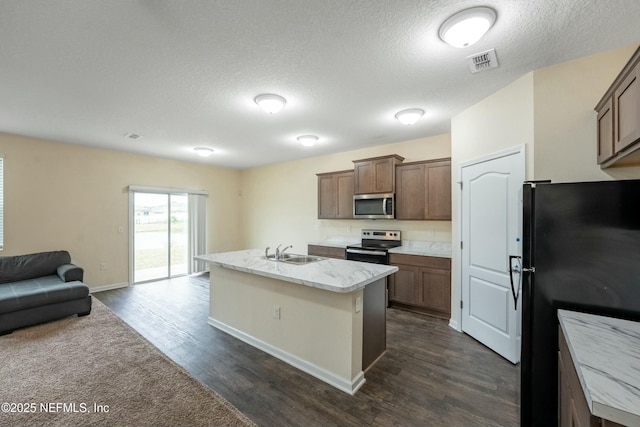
(24, 267)
(37, 292)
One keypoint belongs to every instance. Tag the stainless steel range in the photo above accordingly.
(374, 246)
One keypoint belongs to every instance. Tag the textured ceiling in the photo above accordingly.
(185, 73)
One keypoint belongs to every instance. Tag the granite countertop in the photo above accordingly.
(409, 247)
(423, 248)
(605, 353)
(333, 275)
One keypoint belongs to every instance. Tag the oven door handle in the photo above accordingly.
(362, 252)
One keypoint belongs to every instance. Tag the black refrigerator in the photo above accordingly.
(581, 251)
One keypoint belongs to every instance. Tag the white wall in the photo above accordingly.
(280, 203)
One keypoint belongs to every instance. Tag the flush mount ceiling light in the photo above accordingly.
(467, 27)
(308, 140)
(410, 116)
(270, 103)
(203, 151)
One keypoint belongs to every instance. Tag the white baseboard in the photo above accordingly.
(350, 387)
(454, 324)
(94, 289)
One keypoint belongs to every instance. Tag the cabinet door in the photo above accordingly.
(344, 196)
(363, 177)
(403, 285)
(435, 290)
(383, 176)
(423, 190)
(605, 132)
(573, 409)
(335, 195)
(438, 200)
(376, 175)
(626, 111)
(410, 192)
(327, 197)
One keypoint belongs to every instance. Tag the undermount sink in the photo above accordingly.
(295, 258)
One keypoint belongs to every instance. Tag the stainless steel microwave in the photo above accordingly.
(374, 206)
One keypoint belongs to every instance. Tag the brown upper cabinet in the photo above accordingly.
(423, 190)
(335, 195)
(376, 175)
(618, 119)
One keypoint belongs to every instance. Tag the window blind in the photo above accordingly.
(1, 203)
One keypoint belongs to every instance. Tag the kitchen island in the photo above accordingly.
(599, 370)
(326, 318)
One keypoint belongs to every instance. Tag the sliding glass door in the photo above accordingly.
(160, 236)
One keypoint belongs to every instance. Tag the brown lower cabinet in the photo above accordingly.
(573, 409)
(422, 283)
(326, 251)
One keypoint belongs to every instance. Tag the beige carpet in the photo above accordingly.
(97, 371)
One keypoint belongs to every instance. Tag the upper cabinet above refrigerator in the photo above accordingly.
(618, 120)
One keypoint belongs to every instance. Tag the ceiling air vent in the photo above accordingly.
(132, 135)
(483, 61)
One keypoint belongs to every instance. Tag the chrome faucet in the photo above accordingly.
(282, 251)
(279, 253)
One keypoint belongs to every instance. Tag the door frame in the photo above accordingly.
(517, 149)
(131, 189)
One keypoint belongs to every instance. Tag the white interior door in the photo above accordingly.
(491, 207)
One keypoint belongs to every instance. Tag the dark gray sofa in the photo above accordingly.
(40, 287)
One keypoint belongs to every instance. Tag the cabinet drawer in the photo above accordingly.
(326, 251)
(420, 261)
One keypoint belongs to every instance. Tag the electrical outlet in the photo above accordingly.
(358, 304)
(103, 266)
(276, 312)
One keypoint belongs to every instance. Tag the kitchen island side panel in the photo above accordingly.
(317, 327)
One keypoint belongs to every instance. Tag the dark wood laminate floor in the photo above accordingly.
(431, 375)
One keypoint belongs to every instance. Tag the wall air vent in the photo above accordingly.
(483, 61)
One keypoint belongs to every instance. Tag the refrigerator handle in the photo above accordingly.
(515, 268)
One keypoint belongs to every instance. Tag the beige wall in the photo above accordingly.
(280, 201)
(333, 352)
(503, 120)
(551, 111)
(62, 196)
(565, 121)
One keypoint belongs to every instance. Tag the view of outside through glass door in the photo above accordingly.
(161, 236)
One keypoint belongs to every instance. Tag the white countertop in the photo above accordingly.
(409, 247)
(333, 275)
(423, 248)
(606, 353)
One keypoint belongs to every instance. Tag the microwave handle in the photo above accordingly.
(384, 206)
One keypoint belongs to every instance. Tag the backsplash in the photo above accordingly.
(433, 231)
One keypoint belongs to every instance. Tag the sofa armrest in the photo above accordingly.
(70, 273)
